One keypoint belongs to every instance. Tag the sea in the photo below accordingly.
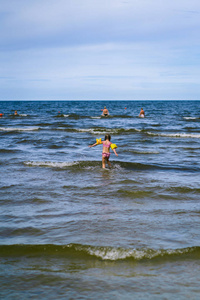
(72, 230)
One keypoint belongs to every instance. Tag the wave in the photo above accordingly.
(142, 152)
(102, 130)
(114, 131)
(77, 116)
(62, 116)
(118, 116)
(11, 129)
(99, 252)
(135, 194)
(98, 131)
(5, 187)
(60, 165)
(176, 135)
(43, 124)
(191, 118)
(116, 166)
(66, 127)
(184, 189)
(93, 131)
(12, 231)
(19, 115)
(8, 151)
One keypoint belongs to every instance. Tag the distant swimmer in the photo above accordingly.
(106, 149)
(142, 113)
(105, 112)
(16, 113)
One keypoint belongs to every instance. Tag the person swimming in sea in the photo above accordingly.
(105, 112)
(106, 149)
(142, 113)
(16, 113)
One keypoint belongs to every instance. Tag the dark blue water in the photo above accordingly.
(71, 230)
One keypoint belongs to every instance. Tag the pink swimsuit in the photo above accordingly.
(106, 154)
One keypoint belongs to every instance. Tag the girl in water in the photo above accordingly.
(106, 149)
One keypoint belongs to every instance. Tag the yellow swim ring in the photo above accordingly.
(98, 141)
(113, 146)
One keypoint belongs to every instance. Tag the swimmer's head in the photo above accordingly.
(104, 107)
(107, 137)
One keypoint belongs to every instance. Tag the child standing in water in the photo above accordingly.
(106, 150)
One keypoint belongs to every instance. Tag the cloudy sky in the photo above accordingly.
(99, 49)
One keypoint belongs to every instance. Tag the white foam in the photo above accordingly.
(181, 135)
(50, 164)
(117, 253)
(139, 130)
(95, 117)
(190, 118)
(66, 116)
(23, 115)
(31, 128)
(93, 131)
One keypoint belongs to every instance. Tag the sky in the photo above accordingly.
(99, 50)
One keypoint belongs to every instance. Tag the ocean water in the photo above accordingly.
(72, 230)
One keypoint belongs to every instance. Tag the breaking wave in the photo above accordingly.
(175, 135)
(60, 165)
(99, 252)
(190, 118)
(10, 129)
(99, 131)
(116, 166)
(102, 131)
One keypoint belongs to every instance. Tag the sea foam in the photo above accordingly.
(50, 164)
(31, 128)
(176, 135)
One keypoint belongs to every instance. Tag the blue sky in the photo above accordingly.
(99, 49)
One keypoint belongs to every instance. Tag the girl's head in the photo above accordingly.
(107, 137)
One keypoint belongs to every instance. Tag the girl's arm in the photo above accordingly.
(92, 145)
(115, 152)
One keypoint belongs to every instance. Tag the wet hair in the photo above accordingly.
(107, 137)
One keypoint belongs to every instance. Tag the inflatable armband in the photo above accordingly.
(98, 141)
(113, 146)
